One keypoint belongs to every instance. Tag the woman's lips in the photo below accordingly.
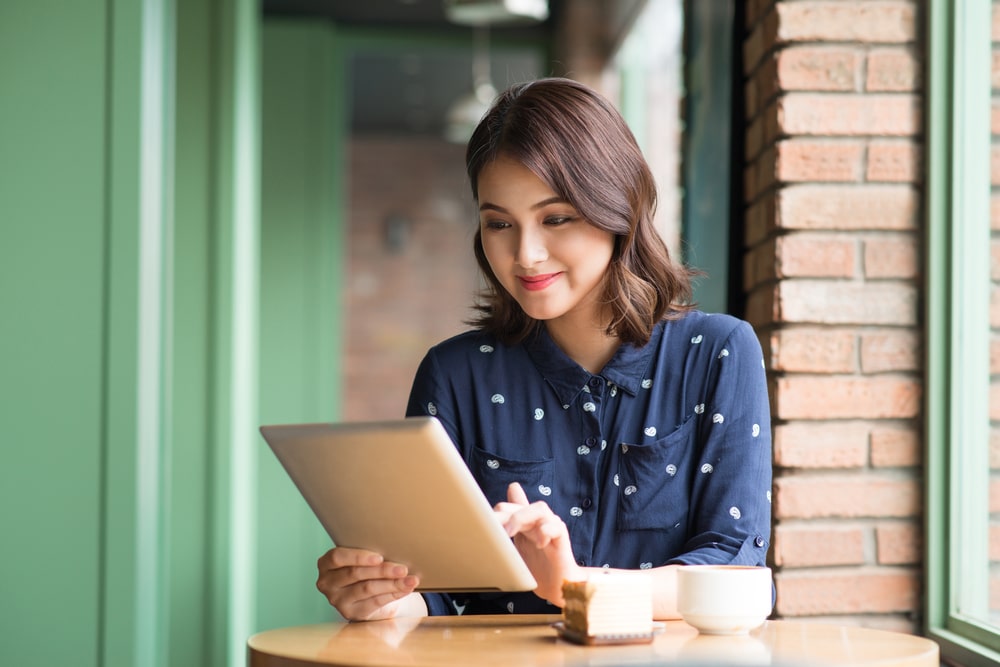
(540, 282)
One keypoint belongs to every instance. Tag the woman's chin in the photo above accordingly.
(541, 314)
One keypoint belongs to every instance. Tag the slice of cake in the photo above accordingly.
(609, 605)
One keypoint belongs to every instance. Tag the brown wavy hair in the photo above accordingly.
(578, 144)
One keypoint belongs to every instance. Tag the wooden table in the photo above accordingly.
(531, 641)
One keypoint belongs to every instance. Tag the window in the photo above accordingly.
(963, 329)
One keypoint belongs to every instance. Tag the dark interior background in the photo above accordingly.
(410, 63)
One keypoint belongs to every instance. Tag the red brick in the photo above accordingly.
(995, 260)
(994, 307)
(760, 41)
(814, 445)
(878, 397)
(839, 21)
(995, 27)
(994, 399)
(995, 212)
(754, 139)
(995, 118)
(813, 350)
(891, 257)
(994, 165)
(843, 302)
(895, 448)
(806, 255)
(995, 449)
(846, 591)
(894, 161)
(895, 70)
(762, 131)
(760, 219)
(995, 542)
(995, 70)
(760, 309)
(898, 543)
(380, 357)
(822, 545)
(759, 264)
(847, 114)
(756, 10)
(760, 89)
(891, 350)
(758, 176)
(994, 355)
(850, 496)
(994, 495)
(994, 591)
(798, 160)
(890, 207)
(826, 68)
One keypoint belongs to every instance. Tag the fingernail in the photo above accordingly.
(399, 571)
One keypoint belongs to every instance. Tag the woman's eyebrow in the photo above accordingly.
(488, 206)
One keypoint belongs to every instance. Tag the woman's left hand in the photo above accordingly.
(542, 540)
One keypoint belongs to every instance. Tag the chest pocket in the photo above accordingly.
(495, 473)
(653, 482)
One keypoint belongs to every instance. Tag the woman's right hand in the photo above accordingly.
(362, 586)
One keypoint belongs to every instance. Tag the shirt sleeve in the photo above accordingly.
(424, 402)
(431, 396)
(730, 511)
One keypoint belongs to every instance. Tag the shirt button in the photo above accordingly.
(587, 503)
(595, 382)
(581, 562)
(759, 541)
(591, 442)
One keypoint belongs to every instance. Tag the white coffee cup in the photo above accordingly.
(724, 599)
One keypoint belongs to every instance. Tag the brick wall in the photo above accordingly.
(832, 186)
(399, 301)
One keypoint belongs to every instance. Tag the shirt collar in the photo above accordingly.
(626, 369)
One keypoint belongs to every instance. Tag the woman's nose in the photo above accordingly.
(531, 249)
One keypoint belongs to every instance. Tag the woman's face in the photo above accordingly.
(551, 260)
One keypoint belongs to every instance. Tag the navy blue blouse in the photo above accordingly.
(664, 457)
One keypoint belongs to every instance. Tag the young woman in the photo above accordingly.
(611, 424)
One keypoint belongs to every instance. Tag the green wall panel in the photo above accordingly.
(301, 218)
(52, 256)
(164, 532)
(190, 443)
(121, 613)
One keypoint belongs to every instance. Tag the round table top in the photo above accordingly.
(532, 641)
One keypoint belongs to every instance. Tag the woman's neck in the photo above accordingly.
(589, 345)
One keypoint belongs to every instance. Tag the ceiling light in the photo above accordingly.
(487, 12)
(466, 112)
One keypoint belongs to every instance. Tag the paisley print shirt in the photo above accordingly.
(663, 457)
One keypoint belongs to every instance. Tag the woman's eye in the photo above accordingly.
(555, 220)
(495, 224)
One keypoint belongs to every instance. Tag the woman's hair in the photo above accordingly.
(579, 145)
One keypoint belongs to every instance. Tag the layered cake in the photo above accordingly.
(609, 606)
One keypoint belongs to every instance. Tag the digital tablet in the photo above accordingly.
(400, 488)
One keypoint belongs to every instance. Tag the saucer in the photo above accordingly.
(609, 639)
